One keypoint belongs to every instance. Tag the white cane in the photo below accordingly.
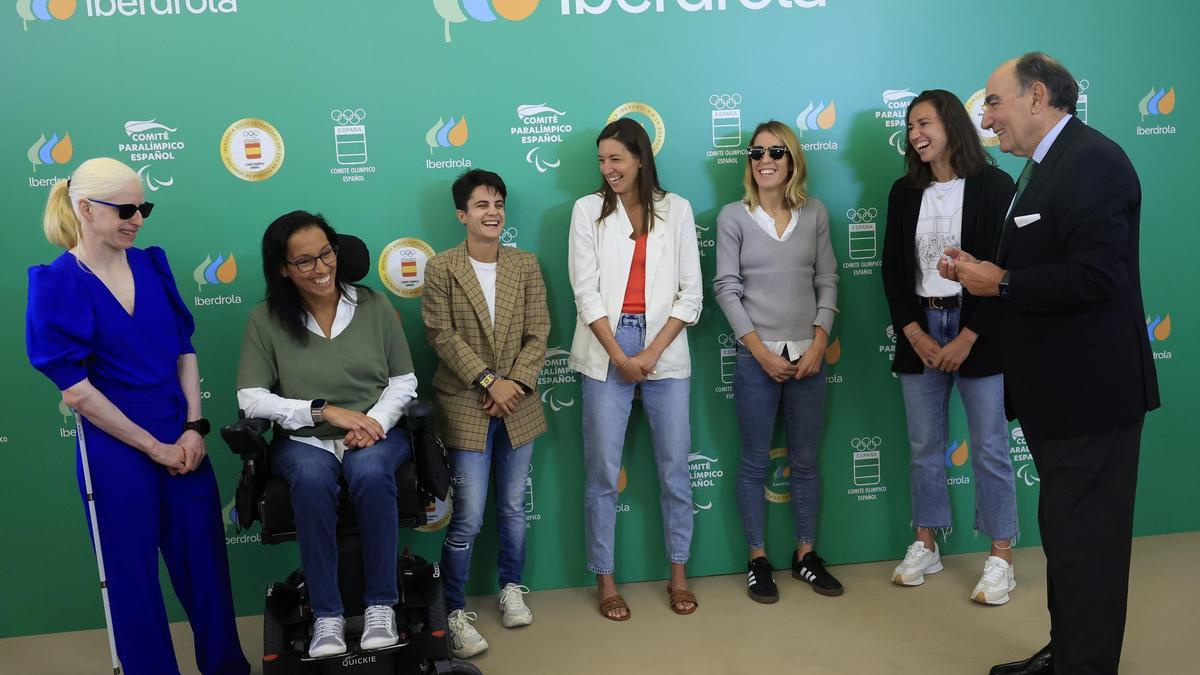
(91, 501)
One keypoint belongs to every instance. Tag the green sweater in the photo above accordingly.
(349, 371)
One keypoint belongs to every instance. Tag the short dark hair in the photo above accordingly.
(1039, 67)
(967, 155)
(465, 184)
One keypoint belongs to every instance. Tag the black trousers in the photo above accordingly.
(1086, 518)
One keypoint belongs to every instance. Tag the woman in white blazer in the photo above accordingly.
(635, 271)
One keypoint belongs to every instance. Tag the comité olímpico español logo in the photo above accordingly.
(486, 11)
(44, 10)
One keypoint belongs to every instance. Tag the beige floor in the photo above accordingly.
(874, 628)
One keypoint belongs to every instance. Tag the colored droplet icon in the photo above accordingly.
(61, 153)
(1166, 104)
(479, 10)
(34, 152)
(958, 456)
(811, 121)
(210, 273)
(515, 10)
(1163, 330)
(833, 352)
(622, 481)
(450, 13)
(227, 271)
(431, 136)
(1144, 104)
(198, 273)
(458, 133)
(44, 153)
(61, 9)
(802, 118)
(826, 119)
(443, 134)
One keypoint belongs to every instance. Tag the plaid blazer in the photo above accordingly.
(459, 328)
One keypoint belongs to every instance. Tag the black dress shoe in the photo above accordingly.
(1041, 663)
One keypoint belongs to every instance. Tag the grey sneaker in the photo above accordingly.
(379, 628)
(513, 610)
(918, 561)
(465, 641)
(329, 637)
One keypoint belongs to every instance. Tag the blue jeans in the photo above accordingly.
(606, 407)
(926, 404)
(312, 474)
(758, 400)
(472, 472)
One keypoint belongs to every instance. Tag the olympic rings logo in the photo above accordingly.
(348, 116)
(250, 133)
(725, 101)
(862, 215)
(866, 443)
(509, 235)
(726, 340)
(1083, 85)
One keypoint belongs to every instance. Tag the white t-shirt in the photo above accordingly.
(486, 274)
(938, 226)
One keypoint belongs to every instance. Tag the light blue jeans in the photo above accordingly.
(927, 403)
(758, 400)
(473, 470)
(606, 407)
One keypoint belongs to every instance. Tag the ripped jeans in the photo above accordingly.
(473, 471)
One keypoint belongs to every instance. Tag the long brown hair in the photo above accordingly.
(634, 138)
(967, 156)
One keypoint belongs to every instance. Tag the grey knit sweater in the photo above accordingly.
(779, 289)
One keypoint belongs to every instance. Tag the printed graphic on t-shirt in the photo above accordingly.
(934, 234)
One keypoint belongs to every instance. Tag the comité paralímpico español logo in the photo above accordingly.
(486, 11)
(44, 10)
(57, 150)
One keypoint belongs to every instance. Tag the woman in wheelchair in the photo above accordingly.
(327, 362)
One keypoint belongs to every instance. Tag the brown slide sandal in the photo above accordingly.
(614, 602)
(683, 595)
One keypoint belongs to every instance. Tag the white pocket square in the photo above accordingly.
(1022, 221)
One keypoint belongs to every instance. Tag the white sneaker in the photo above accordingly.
(465, 641)
(918, 561)
(379, 628)
(996, 582)
(513, 611)
(329, 637)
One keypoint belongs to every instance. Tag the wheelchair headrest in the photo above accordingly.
(354, 260)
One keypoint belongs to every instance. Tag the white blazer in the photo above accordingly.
(599, 262)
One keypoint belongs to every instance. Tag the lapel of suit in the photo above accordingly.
(507, 282)
(1043, 173)
(460, 267)
(970, 213)
(655, 242)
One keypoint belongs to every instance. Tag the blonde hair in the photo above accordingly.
(795, 193)
(97, 178)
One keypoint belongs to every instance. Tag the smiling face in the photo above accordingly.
(619, 167)
(102, 225)
(927, 134)
(309, 244)
(1008, 112)
(770, 174)
(484, 216)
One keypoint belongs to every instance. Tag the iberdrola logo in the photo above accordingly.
(457, 11)
(44, 10)
(821, 117)
(833, 351)
(1157, 102)
(220, 271)
(54, 151)
(447, 134)
(956, 454)
(1158, 328)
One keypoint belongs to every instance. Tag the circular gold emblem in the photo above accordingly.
(402, 266)
(975, 111)
(252, 149)
(656, 121)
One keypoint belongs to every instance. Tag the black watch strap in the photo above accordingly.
(200, 426)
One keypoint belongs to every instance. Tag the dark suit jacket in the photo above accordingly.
(1077, 359)
(985, 200)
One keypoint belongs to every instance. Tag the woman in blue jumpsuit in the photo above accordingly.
(106, 324)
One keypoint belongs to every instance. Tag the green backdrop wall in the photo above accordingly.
(371, 108)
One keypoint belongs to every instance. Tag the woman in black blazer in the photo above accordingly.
(951, 195)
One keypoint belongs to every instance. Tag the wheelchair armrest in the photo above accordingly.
(246, 437)
(418, 411)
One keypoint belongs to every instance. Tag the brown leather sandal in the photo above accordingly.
(614, 602)
(682, 595)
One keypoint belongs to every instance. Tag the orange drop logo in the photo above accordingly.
(61, 9)
(959, 456)
(622, 481)
(227, 272)
(1163, 330)
(826, 119)
(458, 134)
(1166, 104)
(515, 10)
(833, 353)
(62, 152)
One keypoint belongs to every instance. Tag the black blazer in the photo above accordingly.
(985, 200)
(1077, 359)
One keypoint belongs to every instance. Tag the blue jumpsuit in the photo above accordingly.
(76, 328)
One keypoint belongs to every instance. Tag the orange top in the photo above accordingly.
(635, 288)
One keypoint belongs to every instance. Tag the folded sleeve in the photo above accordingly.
(185, 325)
(59, 324)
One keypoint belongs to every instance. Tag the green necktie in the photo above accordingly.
(1006, 230)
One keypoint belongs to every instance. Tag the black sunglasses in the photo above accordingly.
(126, 211)
(756, 152)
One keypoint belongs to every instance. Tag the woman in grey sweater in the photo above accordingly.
(777, 284)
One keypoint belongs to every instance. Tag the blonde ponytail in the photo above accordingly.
(60, 222)
(97, 178)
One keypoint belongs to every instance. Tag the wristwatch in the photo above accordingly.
(487, 379)
(318, 410)
(200, 426)
(1004, 284)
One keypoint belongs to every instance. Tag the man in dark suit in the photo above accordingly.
(1078, 370)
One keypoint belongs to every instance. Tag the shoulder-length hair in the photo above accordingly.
(283, 299)
(967, 156)
(795, 192)
(634, 138)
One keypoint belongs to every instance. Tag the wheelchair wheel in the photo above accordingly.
(456, 666)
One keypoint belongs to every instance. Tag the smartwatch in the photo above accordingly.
(318, 410)
(487, 379)
(200, 426)
(1004, 284)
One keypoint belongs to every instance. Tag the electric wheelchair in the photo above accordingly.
(287, 616)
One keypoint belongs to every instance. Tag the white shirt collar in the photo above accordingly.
(345, 312)
(767, 223)
(1044, 147)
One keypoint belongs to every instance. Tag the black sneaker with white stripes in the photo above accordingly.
(760, 585)
(811, 568)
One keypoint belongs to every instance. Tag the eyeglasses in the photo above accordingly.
(328, 255)
(126, 211)
(756, 152)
